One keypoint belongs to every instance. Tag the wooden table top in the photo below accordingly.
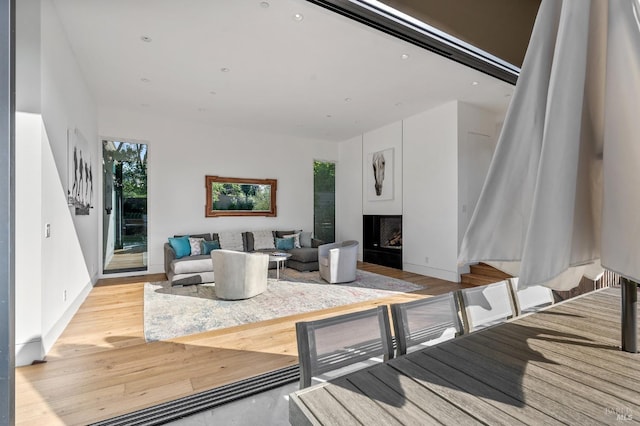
(562, 365)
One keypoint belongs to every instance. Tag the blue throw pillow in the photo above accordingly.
(208, 246)
(284, 243)
(181, 246)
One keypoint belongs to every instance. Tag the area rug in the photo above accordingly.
(178, 311)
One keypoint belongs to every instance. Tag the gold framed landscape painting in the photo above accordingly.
(228, 196)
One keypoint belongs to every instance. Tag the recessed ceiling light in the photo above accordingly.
(145, 80)
(144, 105)
(298, 17)
(508, 95)
(347, 99)
(474, 83)
(397, 104)
(225, 69)
(264, 4)
(404, 56)
(212, 93)
(146, 39)
(329, 116)
(202, 109)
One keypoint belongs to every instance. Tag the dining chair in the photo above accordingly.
(530, 299)
(486, 305)
(425, 322)
(331, 344)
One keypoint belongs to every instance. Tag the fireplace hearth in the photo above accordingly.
(382, 235)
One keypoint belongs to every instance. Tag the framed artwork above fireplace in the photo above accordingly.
(379, 175)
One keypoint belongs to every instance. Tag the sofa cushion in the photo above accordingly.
(263, 240)
(207, 237)
(284, 243)
(180, 246)
(192, 264)
(305, 239)
(208, 246)
(296, 239)
(230, 240)
(304, 254)
(281, 234)
(302, 266)
(247, 240)
(195, 246)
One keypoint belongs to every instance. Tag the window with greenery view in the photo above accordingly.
(125, 206)
(324, 201)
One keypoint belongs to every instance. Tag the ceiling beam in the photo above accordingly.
(423, 36)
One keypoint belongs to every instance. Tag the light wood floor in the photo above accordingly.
(102, 367)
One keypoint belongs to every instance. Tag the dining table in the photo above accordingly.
(560, 365)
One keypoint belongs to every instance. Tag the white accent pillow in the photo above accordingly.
(305, 239)
(296, 239)
(231, 241)
(195, 244)
(263, 240)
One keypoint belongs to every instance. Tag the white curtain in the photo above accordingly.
(571, 137)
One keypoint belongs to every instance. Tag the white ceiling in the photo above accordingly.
(325, 77)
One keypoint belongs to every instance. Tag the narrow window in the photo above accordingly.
(324, 200)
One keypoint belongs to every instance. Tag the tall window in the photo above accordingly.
(125, 207)
(324, 200)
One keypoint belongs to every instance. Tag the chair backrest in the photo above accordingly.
(333, 343)
(530, 299)
(323, 250)
(425, 321)
(486, 305)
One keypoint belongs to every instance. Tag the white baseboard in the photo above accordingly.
(432, 272)
(28, 352)
(52, 335)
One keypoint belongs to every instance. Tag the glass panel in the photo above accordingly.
(324, 201)
(125, 206)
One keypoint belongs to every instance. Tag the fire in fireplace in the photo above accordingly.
(391, 232)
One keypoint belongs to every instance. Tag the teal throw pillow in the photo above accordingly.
(181, 246)
(208, 246)
(284, 243)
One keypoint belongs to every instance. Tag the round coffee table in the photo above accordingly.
(280, 258)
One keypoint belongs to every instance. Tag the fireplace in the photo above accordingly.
(382, 235)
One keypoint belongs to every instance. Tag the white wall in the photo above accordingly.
(477, 131)
(28, 256)
(49, 82)
(389, 136)
(349, 192)
(430, 220)
(28, 56)
(442, 157)
(70, 256)
(181, 153)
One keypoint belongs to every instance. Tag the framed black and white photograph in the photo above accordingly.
(379, 175)
(80, 183)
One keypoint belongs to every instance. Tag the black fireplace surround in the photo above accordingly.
(382, 235)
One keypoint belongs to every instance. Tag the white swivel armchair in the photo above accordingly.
(338, 261)
(239, 275)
